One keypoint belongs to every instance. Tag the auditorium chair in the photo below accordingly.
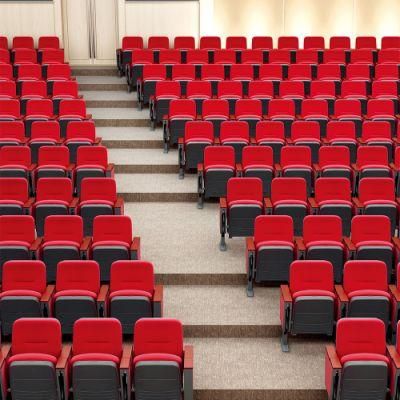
(230, 91)
(62, 240)
(323, 90)
(15, 162)
(124, 54)
(271, 134)
(258, 162)
(322, 240)
(80, 133)
(330, 73)
(181, 111)
(383, 110)
(54, 196)
(358, 363)
(17, 238)
(244, 201)
(134, 69)
(390, 42)
(37, 110)
(213, 73)
(307, 303)
(133, 294)
(296, 163)
(316, 110)
(98, 197)
(199, 91)
(387, 72)
(78, 293)
(14, 197)
(6, 71)
(198, 135)
(282, 110)
(71, 110)
(301, 73)
(43, 133)
(218, 167)
(24, 293)
(37, 362)
(249, 111)
(378, 133)
(389, 56)
(235, 134)
(371, 239)
(293, 91)
(112, 241)
(146, 85)
(8, 90)
(161, 365)
(243, 73)
(12, 133)
(99, 364)
(333, 197)
(365, 293)
(64, 90)
(57, 73)
(306, 133)
(10, 110)
(342, 133)
(272, 73)
(183, 74)
(91, 162)
(216, 111)
(376, 196)
(263, 91)
(289, 197)
(366, 42)
(270, 251)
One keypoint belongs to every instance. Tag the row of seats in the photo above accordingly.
(312, 304)
(279, 69)
(78, 293)
(286, 110)
(53, 162)
(48, 133)
(97, 196)
(98, 364)
(272, 243)
(133, 44)
(200, 134)
(27, 42)
(45, 57)
(43, 110)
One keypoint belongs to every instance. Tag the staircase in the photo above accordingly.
(236, 338)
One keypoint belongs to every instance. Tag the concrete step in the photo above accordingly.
(102, 83)
(110, 99)
(224, 311)
(256, 369)
(95, 71)
(131, 138)
(156, 187)
(119, 117)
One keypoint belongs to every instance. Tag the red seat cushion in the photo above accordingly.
(368, 292)
(312, 293)
(33, 357)
(95, 357)
(158, 357)
(20, 293)
(128, 292)
(75, 293)
(364, 357)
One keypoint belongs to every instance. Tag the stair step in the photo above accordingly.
(131, 138)
(95, 71)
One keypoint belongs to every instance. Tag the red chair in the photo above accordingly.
(12, 133)
(124, 54)
(235, 134)
(271, 134)
(14, 197)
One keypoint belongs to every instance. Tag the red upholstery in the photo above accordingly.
(309, 130)
(271, 72)
(365, 275)
(198, 90)
(288, 42)
(36, 335)
(158, 335)
(222, 157)
(158, 42)
(158, 357)
(252, 57)
(248, 108)
(22, 42)
(380, 108)
(215, 109)
(199, 131)
(382, 89)
(42, 108)
(262, 42)
(72, 108)
(184, 42)
(295, 156)
(305, 58)
(334, 156)
(269, 228)
(288, 189)
(314, 42)
(322, 228)
(224, 57)
(311, 275)
(213, 72)
(230, 90)
(58, 72)
(360, 335)
(375, 189)
(142, 57)
(210, 42)
(279, 56)
(366, 42)
(183, 72)
(182, 109)
(339, 42)
(370, 228)
(260, 90)
(24, 275)
(58, 228)
(12, 130)
(116, 228)
(24, 56)
(52, 56)
(169, 57)
(314, 109)
(53, 156)
(291, 90)
(45, 130)
(390, 42)
(236, 42)
(65, 90)
(234, 131)
(10, 109)
(97, 335)
(132, 43)
(98, 189)
(332, 189)
(132, 275)
(323, 90)
(49, 189)
(199, 57)
(244, 189)
(242, 72)
(80, 130)
(372, 156)
(347, 108)
(14, 189)
(78, 276)
(257, 157)
(266, 130)
(373, 130)
(92, 156)
(329, 72)
(280, 108)
(17, 228)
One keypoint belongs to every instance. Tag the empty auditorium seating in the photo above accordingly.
(307, 304)
(158, 352)
(307, 133)
(271, 251)
(15, 162)
(133, 294)
(53, 162)
(282, 110)
(43, 133)
(152, 74)
(238, 210)
(112, 241)
(12, 133)
(216, 111)
(235, 134)
(358, 362)
(62, 240)
(80, 133)
(124, 54)
(64, 90)
(71, 110)
(14, 197)
(24, 293)
(249, 111)
(343, 133)
(218, 167)
(271, 134)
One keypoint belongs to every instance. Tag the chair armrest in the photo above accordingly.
(341, 294)
(62, 361)
(102, 293)
(278, 167)
(354, 166)
(267, 202)
(312, 202)
(158, 293)
(200, 167)
(47, 294)
(5, 350)
(188, 359)
(316, 167)
(158, 301)
(333, 357)
(395, 292)
(36, 244)
(222, 202)
(250, 244)
(88, 116)
(396, 242)
(300, 244)
(286, 295)
(135, 248)
(29, 203)
(74, 203)
(98, 140)
(110, 170)
(350, 245)
(289, 141)
(357, 202)
(32, 167)
(181, 141)
(394, 355)
(126, 356)
(85, 243)
(239, 169)
(119, 205)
